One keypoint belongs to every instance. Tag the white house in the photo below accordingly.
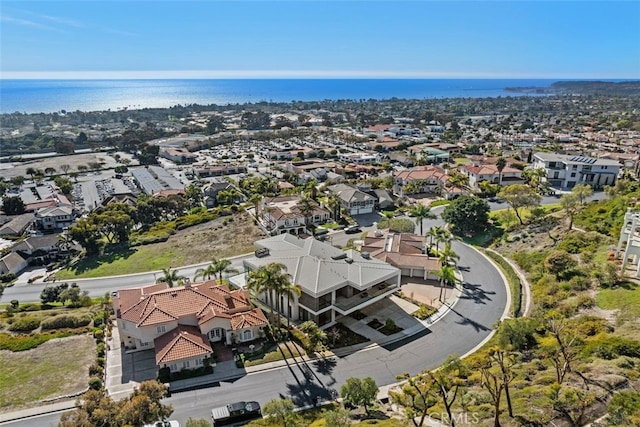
(333, 282)
(354, 201)
(54, 218)
(563, 171)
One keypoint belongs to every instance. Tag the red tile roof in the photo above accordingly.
(184, 342)
(160, 304)
(248, 319)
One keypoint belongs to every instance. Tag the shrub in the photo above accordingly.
(100, 349)
(25, 324)
(95, 370)
(100, 361)
(95, 383)
(424, 312)
(98, 334)
(66, 321)
(610, 347)
(27, 342)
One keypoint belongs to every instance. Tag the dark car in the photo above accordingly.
(352, 229)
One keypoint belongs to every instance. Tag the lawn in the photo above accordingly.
(626, 299)
(191, 245)
(30, 376)
(125, 261)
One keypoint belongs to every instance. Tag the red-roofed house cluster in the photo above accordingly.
(181, 322)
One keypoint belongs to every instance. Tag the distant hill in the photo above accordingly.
(626, 88)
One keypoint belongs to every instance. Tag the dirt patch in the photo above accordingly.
(57, 368)
(214, 239)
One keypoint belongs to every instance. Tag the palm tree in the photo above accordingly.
(447, 276)
(433, 234)
(222, 265)
(255, 200)
(306, 208)
(500, 164)
(268, 279)
(333, 203)
(447, 256)
(287, 289)
(205, 273)
(421, 212)
(442, 236)
(170, 277)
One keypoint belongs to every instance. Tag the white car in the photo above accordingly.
(171, 423)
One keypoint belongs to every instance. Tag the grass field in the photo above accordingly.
(30, 376)
(192, 245)
(626, 299)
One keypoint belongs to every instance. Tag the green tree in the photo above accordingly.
(447, 277)
(49, 171)
(65, 168)
(467, 215)
(448, 256)
(359, 392)
(560, 263)
(64, 184)
(582, 192)
(87, 234)
(421, 212)
(571, 205)
(193, 194)
(520, 196)
(448, 380)
(170, 277)
(17, 180)
(417, 395)
(280, 411)
(13, 205)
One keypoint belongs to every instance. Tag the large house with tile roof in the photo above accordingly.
(402, 250)
(180, 323)
(333, 282)
(282, 214)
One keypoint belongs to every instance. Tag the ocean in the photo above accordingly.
(47, 96)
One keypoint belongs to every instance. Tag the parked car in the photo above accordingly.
(352, 229)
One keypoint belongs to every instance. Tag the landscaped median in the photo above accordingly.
(515, 285)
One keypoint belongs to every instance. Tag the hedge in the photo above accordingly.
(25, 342)
(66, 321)
(25, 324)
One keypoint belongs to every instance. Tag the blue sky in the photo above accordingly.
(484, 39)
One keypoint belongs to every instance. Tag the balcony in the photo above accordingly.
(360, 300)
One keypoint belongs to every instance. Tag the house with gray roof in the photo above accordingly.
(333, 282)
(354, 201)
(16, 225)
(12, 263)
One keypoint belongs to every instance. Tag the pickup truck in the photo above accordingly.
(229, 415)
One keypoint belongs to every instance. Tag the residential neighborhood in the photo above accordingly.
(233, 241)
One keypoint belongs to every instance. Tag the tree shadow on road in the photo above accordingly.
(475, 293)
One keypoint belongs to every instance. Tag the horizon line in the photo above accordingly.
(284, 74)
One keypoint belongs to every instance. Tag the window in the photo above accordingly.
(144, 344)
(556, 174)
(247, 335)
(198, 362)
(161, 329)
(573, 174)
(185, 364)
(173, 367)
(574, 167)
